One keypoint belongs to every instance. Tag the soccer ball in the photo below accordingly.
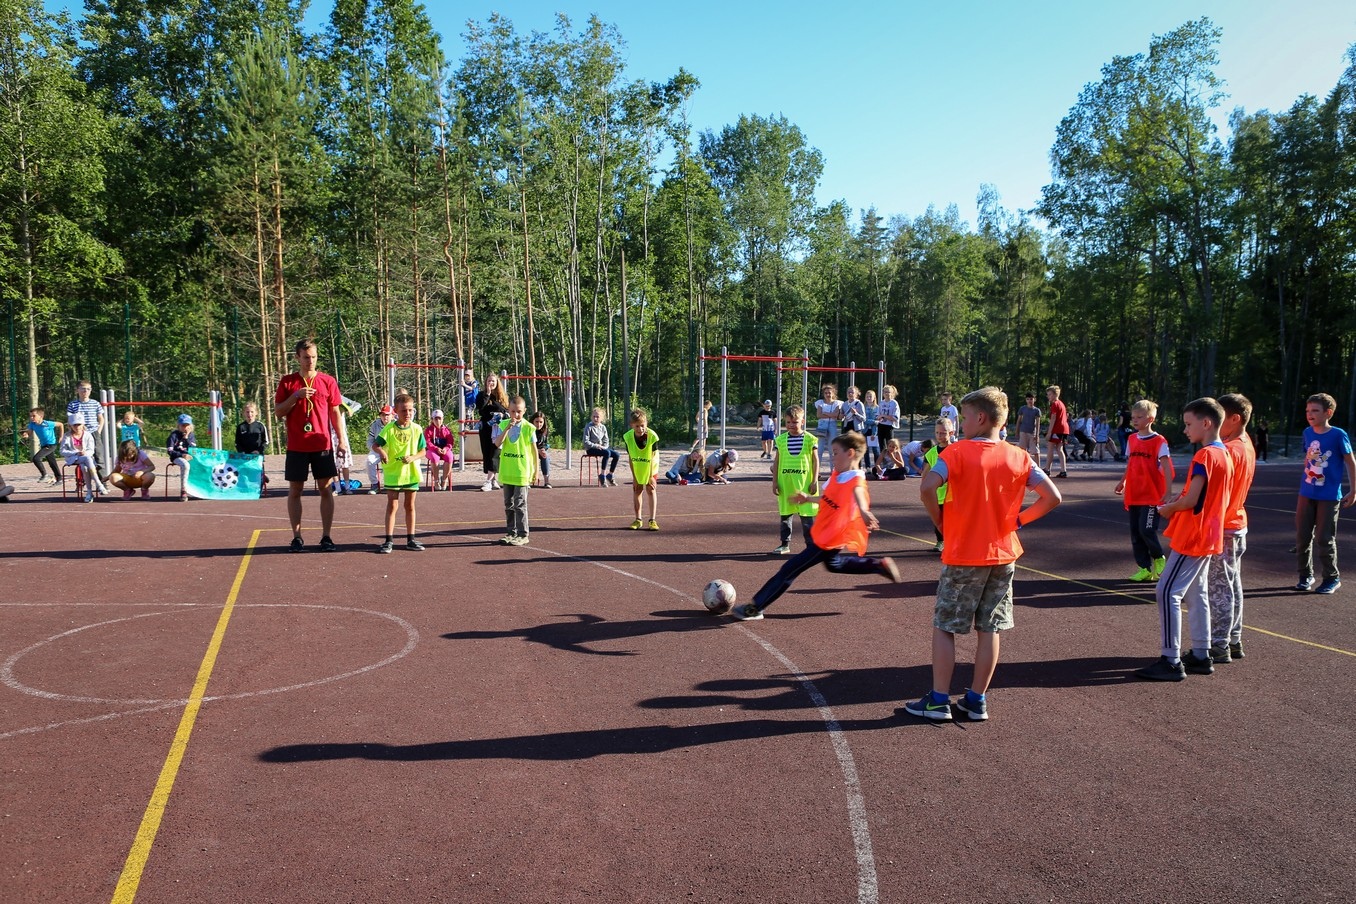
(719, 597)
(225, 477)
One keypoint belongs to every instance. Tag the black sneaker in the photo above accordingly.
(297, 544)
(1197, 665)
(1162, 669)
(386, 547)
(1236, 650)
(1219, 654)
(327, 545)
(977, 708)
(414, 545)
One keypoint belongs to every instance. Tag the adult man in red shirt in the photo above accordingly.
(308, 401)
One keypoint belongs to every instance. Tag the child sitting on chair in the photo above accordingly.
(180, 441)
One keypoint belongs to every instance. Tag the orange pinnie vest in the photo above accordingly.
(839, 524)
(1200, 531)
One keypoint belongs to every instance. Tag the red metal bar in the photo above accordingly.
(836, 370)
(750, 358)
(121, 403)
(526, 377)
(429, 366)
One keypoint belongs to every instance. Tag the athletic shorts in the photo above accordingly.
(978, 596)
(298, 466)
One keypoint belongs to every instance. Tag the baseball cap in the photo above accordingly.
(185, 419)
(767, 403)
(74, 418)
(733, 455)
(387, 409)
(437, 412)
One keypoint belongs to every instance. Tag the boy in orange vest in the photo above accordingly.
(838, 538)
(1226, 579)
(1148, 477)
(989, 479)
(1197, 533)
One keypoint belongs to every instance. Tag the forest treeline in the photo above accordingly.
(189, 186)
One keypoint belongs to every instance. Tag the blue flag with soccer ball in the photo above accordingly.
(224, 475)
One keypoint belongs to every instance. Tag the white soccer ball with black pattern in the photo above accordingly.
(225, 476)
(719, 597)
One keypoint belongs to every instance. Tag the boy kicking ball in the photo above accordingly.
(838, 538)
(989, 480)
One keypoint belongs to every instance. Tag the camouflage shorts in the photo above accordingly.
(974, 595)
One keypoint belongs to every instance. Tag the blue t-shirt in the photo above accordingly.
(45, 432)
(1324, 462)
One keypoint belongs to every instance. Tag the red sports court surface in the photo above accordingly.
(563, 722)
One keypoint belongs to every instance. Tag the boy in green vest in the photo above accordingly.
(795, 472)
(400, 446)
(517, 442)
(642, 448)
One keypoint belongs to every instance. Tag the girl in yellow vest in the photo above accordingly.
(795, 469)
(642, 448)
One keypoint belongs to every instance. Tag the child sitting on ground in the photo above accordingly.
(543, 447)
(689, 467)
(180, 441)
(718, 464)
(133, 471)
(838, 537)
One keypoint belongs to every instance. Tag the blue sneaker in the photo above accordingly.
(1329, 586)
(1305, 584)
(977, 708)
(927, 708)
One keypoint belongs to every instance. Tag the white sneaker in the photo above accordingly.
(497, 484)
(746, 612)
(487, 486)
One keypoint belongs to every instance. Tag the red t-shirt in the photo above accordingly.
(989, 482)
(1199, 531)
(314, 412)
(1245, 465)
(1144, 483)
(839, 524)
(1059, 418)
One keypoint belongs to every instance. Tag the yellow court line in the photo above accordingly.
(130, 879)
(1142, 599)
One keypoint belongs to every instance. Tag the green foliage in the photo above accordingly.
(191, 186)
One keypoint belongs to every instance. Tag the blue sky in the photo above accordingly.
(916, 104)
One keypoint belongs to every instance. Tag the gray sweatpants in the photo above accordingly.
(515, 510)
(1225, 589)
(1184, 580)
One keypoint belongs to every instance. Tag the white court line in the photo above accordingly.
(867, 888)
(8, 679)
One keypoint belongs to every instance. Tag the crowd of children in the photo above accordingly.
(973, 486)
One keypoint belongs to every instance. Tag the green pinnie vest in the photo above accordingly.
(796, 474)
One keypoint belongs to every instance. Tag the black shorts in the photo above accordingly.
(299, 466)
